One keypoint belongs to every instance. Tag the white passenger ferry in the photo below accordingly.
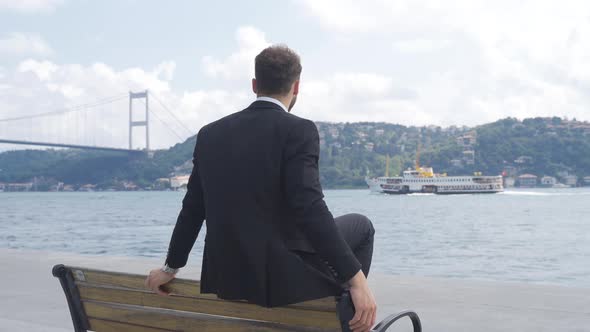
(424, 180)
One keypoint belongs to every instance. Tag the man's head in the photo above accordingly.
(277, 71)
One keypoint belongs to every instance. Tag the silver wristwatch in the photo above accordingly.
(168, 269)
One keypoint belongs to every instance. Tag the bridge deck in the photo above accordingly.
(71, 146)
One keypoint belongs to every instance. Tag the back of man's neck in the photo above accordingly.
(280, 99)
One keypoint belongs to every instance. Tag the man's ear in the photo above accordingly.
(296, 88)
(254, 86)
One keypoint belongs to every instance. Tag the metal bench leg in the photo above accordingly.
(387, 322)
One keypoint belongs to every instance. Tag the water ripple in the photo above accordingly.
(540, 236)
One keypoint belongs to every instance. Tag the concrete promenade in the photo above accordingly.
(32, 300)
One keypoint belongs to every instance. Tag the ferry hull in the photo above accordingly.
(389, 192)
(470, 192)
(436, 185)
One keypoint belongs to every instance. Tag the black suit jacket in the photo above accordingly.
(255, 181)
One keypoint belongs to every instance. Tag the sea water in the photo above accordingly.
(533, 235)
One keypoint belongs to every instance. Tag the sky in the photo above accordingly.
(412, 62)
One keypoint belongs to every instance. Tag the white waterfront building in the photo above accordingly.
(177, 182)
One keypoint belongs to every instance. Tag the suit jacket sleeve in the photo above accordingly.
(190, 219)
(304, 196)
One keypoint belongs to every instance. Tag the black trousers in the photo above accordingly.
(358, 232)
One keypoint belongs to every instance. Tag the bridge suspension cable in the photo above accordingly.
(77, 108)
(166, 125)
(190, 132)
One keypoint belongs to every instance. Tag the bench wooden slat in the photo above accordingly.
(179, 286)
(174, 321)
(135, 281)
(281, 315)
(106, 301)
(110, 326)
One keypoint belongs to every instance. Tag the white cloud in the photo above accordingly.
(355, 97)
(42, 69)
(166, 70)
(472, 61)
(344, 15)
(24, 44)
(240, 64)
(30, 5)
(420, 45)
(361, 84)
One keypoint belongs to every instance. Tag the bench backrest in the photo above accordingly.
(110, 301)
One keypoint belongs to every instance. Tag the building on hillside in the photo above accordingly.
(586, 181)
(2, 186)
(370, 146)
(527, 181)
(469, 157)
(180, 181)
(467, 140)
(379, 132)
(570, 180)
(548, 181)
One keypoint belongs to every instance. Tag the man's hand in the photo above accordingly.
(157, 278)
(364, 304)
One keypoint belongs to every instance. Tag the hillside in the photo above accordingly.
(349, 151)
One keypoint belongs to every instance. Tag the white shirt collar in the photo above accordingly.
(274, 101)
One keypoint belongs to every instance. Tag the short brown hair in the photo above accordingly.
(276, 68)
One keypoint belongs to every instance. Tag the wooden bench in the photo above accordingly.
(111, 301)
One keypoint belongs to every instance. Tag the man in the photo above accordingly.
(271, 239)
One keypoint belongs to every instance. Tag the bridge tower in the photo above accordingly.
(145, 123)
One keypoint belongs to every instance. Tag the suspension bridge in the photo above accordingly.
(103, 125)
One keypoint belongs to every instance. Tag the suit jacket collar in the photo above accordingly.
(262, 104)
